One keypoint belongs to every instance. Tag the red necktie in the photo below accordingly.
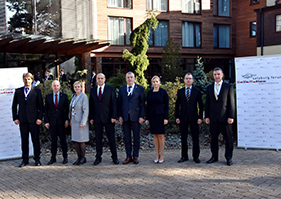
(100, 94)
(56, 100)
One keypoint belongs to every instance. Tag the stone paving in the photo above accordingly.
(255, 174)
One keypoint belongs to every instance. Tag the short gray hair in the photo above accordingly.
(27, 75)
(129, 73)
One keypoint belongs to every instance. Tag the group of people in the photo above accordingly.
(103, 109)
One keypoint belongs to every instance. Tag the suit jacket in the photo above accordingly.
(63, 78)
(223, 108)
(29, 111)
(53, 114)
(188, 110)
(81, 109)
(104, 110)
(134, 106)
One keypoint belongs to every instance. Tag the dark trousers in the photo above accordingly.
(58, 131)
(110, 133)
(226, 130)
(194, 127)
(33, 128)
(135, 126)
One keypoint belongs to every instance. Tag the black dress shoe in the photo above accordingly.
(37, 163)
(76, 162)
(115, 161)
(212, 160)
(65, 161)
(229, 162)
(53, 160)
(136, 161)
(182, 160)
(97, 161)
(196, 160)
(23, 163)
(82, 162)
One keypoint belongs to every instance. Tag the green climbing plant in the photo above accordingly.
(139, 43)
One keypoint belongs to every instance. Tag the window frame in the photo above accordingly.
(109, 6)
(252, 2)
(277, 31)
(124, 30)
(194, 13)
(251, 30)
(218, 41)
(216, 8)
(194, 31)
(152, 5)
(153, 34)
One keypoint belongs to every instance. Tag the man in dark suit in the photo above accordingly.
(187, 113)
(56, 119)
(29, 116)
(131, 102)
(62, 76)
(219, 113)
(103, 113)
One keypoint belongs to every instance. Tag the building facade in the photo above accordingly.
(204, 28)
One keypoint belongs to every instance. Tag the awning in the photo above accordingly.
(39, 44)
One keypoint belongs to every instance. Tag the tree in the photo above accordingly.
(139, 43)
(171, 61)
(200, 80)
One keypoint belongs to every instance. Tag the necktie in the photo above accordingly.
(26, 93)
(129, 93)
(56, 100)
(217, 91)
(100, 93)
(187, 94)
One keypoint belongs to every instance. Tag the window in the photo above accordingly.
(278, 23)
(160, 5)
(254, 1)
(160, 35)
(119, 30)
(111, 66)
(221, 36)
(253, 29)
(120, 3)
(191, 34)
(221, 8)
(191, 6)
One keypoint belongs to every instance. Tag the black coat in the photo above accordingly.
(223, 108)
(53, 114)
(187, 110)
(29, 111)
(104, 110)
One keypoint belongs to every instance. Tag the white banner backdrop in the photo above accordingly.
(258, 93)
(10, 140)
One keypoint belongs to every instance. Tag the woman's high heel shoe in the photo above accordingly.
(161, 161)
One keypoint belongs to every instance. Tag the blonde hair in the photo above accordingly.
(77, 82)
(154, 77)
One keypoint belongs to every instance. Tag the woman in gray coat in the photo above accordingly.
(78, 112)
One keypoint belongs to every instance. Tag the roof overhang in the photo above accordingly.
(38, 44)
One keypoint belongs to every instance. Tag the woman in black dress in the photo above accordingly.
(157, 116)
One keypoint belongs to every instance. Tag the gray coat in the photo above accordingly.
(78, 113)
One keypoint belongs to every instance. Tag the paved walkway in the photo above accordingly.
(255, 174)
